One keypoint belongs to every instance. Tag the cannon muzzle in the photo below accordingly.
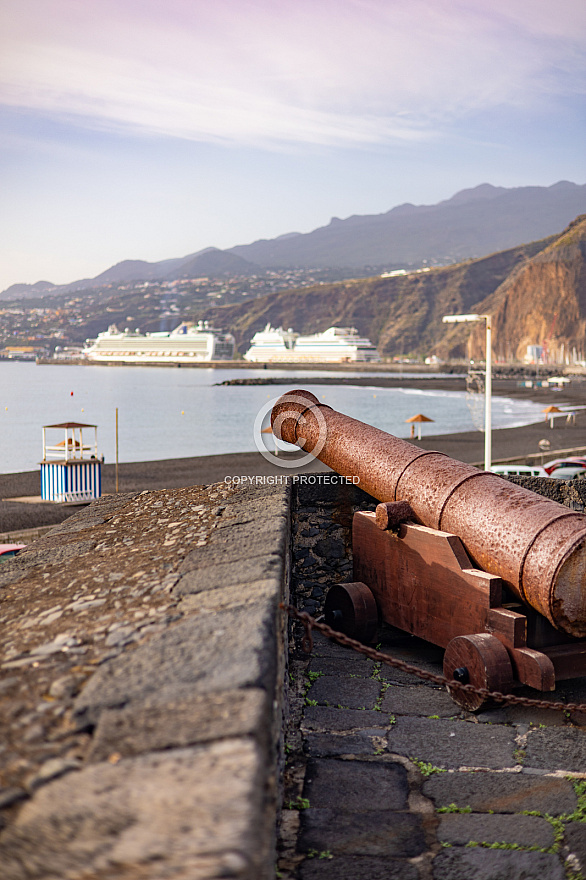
(537, 546)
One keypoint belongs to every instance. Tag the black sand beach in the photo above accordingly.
(507, 443)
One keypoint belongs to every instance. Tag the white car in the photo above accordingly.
(518, 470)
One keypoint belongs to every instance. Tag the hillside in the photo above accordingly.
(402, 315)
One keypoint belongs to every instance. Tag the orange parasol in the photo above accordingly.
(549, 410)
(419, 418)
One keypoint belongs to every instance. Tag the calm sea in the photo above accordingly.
(170, 413)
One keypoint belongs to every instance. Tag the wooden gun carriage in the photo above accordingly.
(488, 570)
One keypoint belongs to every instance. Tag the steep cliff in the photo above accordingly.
(402, 315)
(543, 302)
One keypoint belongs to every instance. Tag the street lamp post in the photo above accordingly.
(460, 319)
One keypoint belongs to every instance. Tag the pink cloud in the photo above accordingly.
(346, 72)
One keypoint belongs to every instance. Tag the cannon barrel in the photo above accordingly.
(537, 546)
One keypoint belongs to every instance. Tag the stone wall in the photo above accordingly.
(570, 493)
(141, 688)
(322, 537)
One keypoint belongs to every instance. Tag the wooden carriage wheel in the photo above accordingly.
(480, 660)
(352, 610)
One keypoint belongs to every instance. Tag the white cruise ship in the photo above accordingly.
(335, 345)
(187, 343)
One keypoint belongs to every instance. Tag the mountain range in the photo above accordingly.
(536, 293)
(473, 223)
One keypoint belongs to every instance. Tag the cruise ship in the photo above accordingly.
(187, 343)
(335, 345)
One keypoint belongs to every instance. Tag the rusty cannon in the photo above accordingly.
(489, 571)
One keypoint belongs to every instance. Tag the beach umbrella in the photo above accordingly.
(549, 411)
(419, 418)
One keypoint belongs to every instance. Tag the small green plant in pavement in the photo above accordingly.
(427, 769)
(300, 803)
(316, 854)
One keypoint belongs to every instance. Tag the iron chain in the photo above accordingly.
(310, 623)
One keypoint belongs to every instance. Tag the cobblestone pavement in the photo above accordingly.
(388, 778)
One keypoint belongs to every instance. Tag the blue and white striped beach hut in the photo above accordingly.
(71, 469)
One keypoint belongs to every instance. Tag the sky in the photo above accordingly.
(136, 129)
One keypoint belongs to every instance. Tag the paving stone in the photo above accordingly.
(350, 693)
(356, 785)
(574, 690)
(453, 744)
(208, 572)
(501, 792)
(323, 745)
(13, 570)
(343, 666)
(528, 715)
(242, 541)
(326, 718)
(56, 555)
(223, 598)
(575, 840)
(461, 863)
(251, 542)
(375, 833)
(160, 724)
(156, 816)
(120, 636)
(461, 828)
(563, 748)
(354, 867)
(242, 513)
(416, 652)
(407, 679)
(323, 647)
(50, 770)
(10, 796)
(419, 701)
(209, 652)
(266, 494)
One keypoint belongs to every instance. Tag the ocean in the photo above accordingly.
(179, 413)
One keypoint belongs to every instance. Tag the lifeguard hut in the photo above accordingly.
(71, 469)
